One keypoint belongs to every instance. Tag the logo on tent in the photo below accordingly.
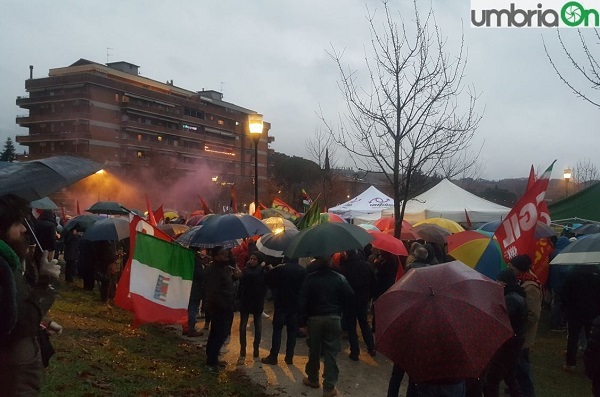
(379, 202)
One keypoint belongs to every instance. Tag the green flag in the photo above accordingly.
(311, 217)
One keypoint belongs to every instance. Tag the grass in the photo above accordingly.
(547, 360)
(98, 354)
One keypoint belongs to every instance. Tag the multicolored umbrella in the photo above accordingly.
(447, 224)
(541, 229)
(330, 217)
(388, 243)
(389, 222)
(442, 322)
(477, 249)
(327, 239)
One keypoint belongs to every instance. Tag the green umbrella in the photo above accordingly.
(327, 239)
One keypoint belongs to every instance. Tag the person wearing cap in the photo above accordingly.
(503, 364)
(521, 265)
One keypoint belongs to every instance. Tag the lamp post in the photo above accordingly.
(567, 175)
(255, 125)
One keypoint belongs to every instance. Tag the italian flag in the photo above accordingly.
(161, 280)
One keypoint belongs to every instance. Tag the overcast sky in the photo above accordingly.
(270, 56)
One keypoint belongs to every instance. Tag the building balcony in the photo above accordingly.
(56, 137)
(172, 113)
(25, 120)
(160, 147)
(28, 101)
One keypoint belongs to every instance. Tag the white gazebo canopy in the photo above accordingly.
(369, 205)
(447, 200)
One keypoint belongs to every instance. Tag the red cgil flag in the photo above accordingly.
(159, 214)
(543, 211)
(204, 206)
(150, 213)
(516, 233)
(78, 210)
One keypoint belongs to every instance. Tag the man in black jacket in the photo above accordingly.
(45, 230)
(323, 297)
(22, 307)
(361, 278)
(580, 297)
(285, 280)
(592, 357)
(71, 256)
(220, 298)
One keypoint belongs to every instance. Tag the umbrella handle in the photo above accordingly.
(33, 234)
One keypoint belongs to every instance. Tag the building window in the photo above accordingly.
(220, 122)
(160, 138)
(139, 137)
(140, 154)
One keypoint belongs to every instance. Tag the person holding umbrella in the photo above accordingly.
(72, 238)
(324, 296)
(521, 265)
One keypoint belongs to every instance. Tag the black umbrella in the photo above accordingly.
(111, 229)
(108, 207)
(33, 180)
(83, 221)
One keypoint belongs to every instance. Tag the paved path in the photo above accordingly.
(367, 377)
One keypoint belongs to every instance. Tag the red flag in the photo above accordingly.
(136, 224)
(516, 233)
(469, 224)
(78, 210)
(150, 213)
(261, 206)
(543, 211)
(204, 206)
(531, 180)
(159, 214)
(257, 214)
(233, 202)
(283, 206)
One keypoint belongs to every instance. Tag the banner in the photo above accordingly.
(516, 233)
(283, 206)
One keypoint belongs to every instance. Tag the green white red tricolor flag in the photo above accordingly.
(516, 233)
(161, 280)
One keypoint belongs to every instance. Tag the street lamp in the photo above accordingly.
(567, 175)
(255, 125)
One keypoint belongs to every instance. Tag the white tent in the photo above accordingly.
(369, 205)
(446, 200)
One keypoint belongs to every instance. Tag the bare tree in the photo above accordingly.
(408, 120)
(585, 173)
(320, 145)
(584, 64)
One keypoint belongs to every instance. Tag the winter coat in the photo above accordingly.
(45, 230)
(516, 305)
(361, 278)
(71, 246)
(285, 281)
(533, 298)
(252, 289)
(580, 294)
(218, 287)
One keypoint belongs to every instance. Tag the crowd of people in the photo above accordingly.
(320, 300)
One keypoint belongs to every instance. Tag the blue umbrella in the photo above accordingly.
(223, 230)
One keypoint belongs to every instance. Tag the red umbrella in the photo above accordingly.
(388, 222)
(442, 322)
(388, 243)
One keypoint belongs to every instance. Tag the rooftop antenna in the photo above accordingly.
(222, 84)
(108, 53)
